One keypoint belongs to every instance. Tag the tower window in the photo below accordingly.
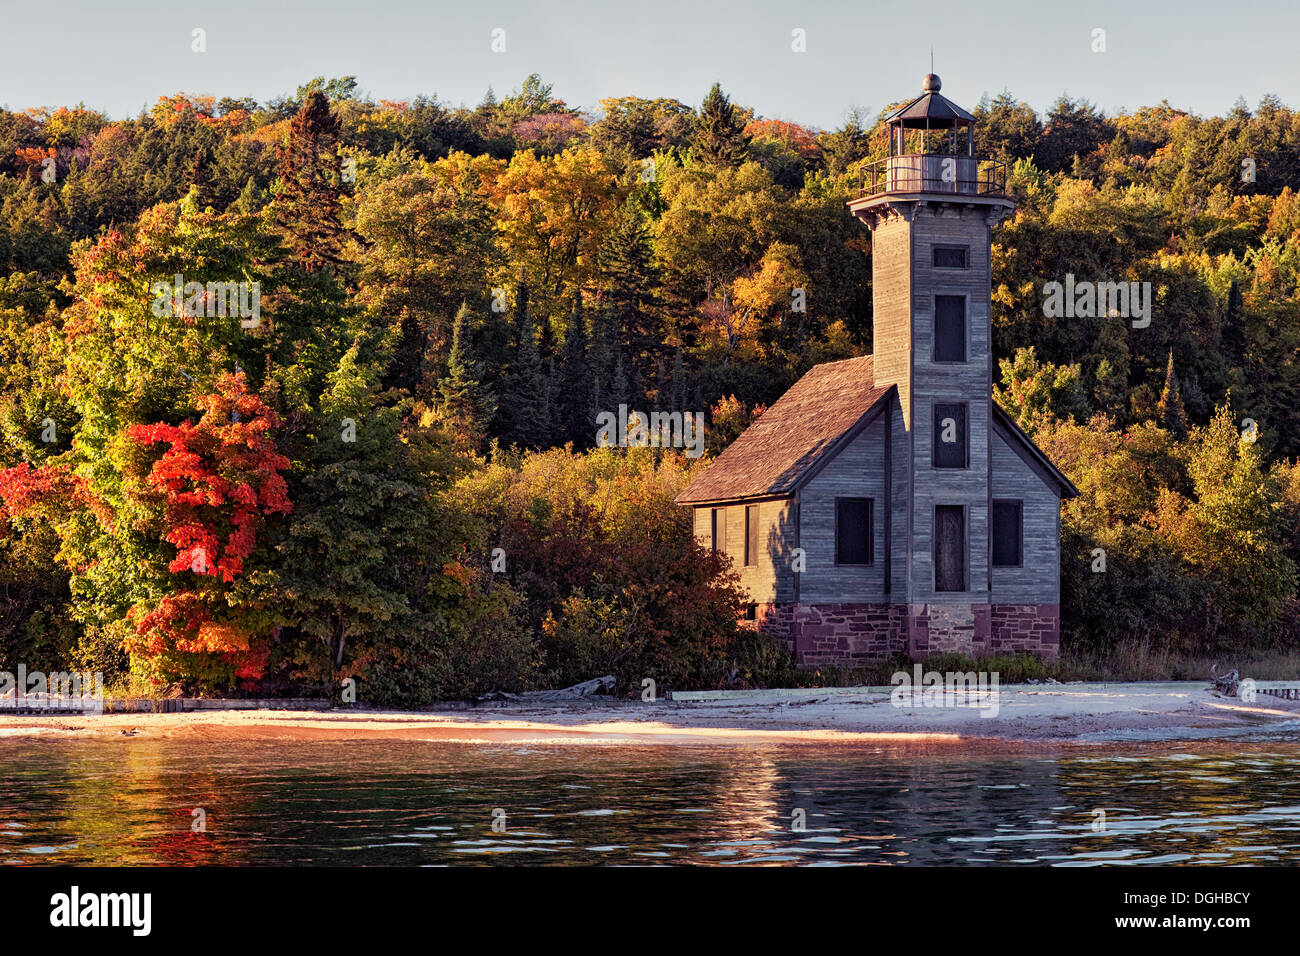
(1008, 530)
(948, 445)
(719, 529)
(949, 548)
(751, 535)
(949, 328)
(854, 536)
(949, 257)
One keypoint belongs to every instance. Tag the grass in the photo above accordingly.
(1125, 661)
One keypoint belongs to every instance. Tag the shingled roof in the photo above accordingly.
(810, 423)
(774, 455)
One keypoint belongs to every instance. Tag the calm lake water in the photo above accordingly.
(131, 802)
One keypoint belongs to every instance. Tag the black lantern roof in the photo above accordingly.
(930, 110)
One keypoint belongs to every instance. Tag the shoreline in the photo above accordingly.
(1037, 713)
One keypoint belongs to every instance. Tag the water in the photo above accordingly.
(347, 802)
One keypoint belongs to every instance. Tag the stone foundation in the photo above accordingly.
(843, 635)
(1032, 628)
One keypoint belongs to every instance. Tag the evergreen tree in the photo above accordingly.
(463, 398)
(1233, 337)
(678, 382)
(575, 382)
(524, 412)
(1170, 409)
(620, 392)
(630, 279)
(310, 186)
(604, 346)
(720, 138)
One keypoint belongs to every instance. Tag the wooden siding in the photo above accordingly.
(856, 472)
(1038, 579)
(943, 382)
(770, 580)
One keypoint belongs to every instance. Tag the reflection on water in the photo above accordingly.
(110, 802)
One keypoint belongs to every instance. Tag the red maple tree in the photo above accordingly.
(220, 480)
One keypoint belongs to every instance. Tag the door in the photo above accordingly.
(949, 548)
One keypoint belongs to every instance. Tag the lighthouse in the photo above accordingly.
(885, 503)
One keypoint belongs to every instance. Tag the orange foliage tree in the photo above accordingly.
(219, 480)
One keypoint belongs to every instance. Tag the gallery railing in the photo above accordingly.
(933, 173)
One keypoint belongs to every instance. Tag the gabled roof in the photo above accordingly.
(783, 447)
(809, 425)
(1031, 454)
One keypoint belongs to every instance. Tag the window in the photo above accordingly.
(948, 446)
(720, 530)
(854, 537)
(751, 535)
(1008, 531)
(949, 257)
(949, 548)
(949, 328)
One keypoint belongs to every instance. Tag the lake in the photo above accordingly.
(97, 802)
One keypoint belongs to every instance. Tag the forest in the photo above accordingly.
(382, 465)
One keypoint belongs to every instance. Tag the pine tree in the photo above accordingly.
(678, 382)
(575, 382)
(1170, 409)
(604, 346)
(524, 413)
(630, 280)
(309, 189)
(719, 132)
(463, 397)
(1233, 336)
(619, 389)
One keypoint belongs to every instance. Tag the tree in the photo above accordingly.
(575, 381)
(429, 249)
(1170, 409)
(309, 189)
(523, 412)
(720, 131)
(361, 521)
(463, 397)
(1006, 130)
(217, 484)
(1073, 131)
(629, 278)
(1031, 389)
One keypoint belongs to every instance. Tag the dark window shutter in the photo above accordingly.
(720, 530)
(1007, 530)
(751, 535)
(949, 548)
(949, 422)
(854, 532)
(949, 257)
(949, 328)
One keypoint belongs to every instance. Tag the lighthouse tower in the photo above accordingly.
(931, 206)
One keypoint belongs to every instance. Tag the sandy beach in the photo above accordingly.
(1049, 713)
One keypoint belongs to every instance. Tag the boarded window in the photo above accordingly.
(949, 446)
(751, 535)
(949, 548)
(719, 530)
(949, 328)
(853, 531)
(1007, 533)
(949, 257)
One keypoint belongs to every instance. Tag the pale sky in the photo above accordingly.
(121, 55)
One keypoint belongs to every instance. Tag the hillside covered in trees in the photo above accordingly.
(386, 470)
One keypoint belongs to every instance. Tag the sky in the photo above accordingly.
(120, 56)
